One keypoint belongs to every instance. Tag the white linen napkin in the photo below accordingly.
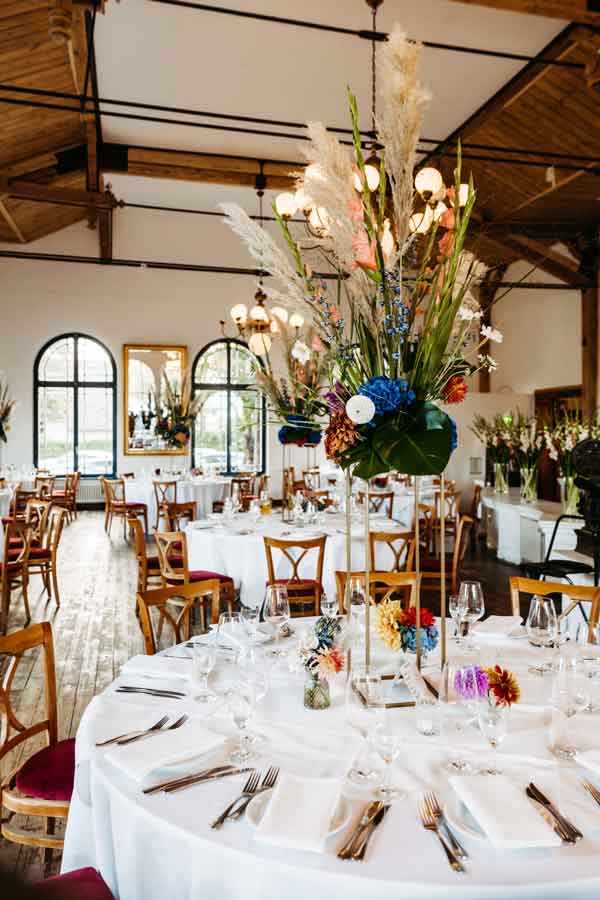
(504, 812)
(142, 757)
(497, 626)
(299, 813)
(157, 667)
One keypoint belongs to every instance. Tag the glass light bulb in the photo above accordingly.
(274, 327)
(239, 312)
(260, 344)
(463, 194)
(280, 313)
(319, 219)
(304, 201)
(296, 320)
(286, 205)
(439, 211)
(259, 314)
(428, 181)
(357, 180)
(420, 223)
(372, 177)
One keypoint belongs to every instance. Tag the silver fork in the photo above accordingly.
(266, 784)
(429, 823)
(128, 734)
(432, 803)
(139, 737)
(249, 790)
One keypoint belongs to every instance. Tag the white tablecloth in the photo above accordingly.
(5, 496)
(204, 492)
(225, 550)
(151, 848)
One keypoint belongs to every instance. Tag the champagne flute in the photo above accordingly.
(493, 724)
(241, 706)
(454, 716)
(457, 608)
(277, 612)
(542, 629)
(470, 596)
(386, 742)
(204, 657)
(362, 704)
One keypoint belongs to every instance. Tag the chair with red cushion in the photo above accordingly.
(185, 598)
(148, 566)
(40, 787)
(304, 593)
(43, 557)
(67, 497)
(14, 571)
(175, 570)
(81, 884)
(117, 505)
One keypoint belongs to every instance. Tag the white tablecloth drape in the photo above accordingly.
(151, 848)
(238, 550)
(204, 492)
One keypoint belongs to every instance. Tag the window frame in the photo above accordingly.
(76, 385)
(229, 388)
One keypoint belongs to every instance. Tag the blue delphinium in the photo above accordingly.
(453, 435)
(328, 630)
(388, 395)
(429, 639)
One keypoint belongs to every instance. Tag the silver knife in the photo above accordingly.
(216, 770)
(189, 782)
(359, 853)
(541, 798)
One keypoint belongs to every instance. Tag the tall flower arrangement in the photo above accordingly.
(395, 331)
(176, 411)
(561, 440)
(495, 435)
(7, 404)
(527, 442)
(295, 397)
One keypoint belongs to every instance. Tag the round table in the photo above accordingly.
(238, 550)
(152, 847)
(203, 491)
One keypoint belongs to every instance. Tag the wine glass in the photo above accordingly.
(277, 612)
(570, 695)
(251, 619)
(493, 724)
(204, 657)
(255, 673)
(457, 607)
(328, 605)
(362, 704)
(470, 595)
(588, 653)
(386, 742)
(241, 706)
(542, 629)
(232, 635)
(455, 715)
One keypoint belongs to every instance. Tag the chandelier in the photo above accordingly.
(258, 325)
(430, 186)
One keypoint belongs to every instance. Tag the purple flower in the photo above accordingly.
(334, 398)
(471, 683)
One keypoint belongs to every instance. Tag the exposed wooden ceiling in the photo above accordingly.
(569, 10)
(522, 210)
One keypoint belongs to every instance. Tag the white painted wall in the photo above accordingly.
(542, 335)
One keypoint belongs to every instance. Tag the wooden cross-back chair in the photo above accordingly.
(165, 492)
(18, 504)
(14, 572)
(401, 545)
(67, 497)
(451, 516)
(176, 513)
(304, 593)
(322, 497)
(184, 598)
(44, 485)
(148, 565)
(426, 514)
(40, 787)
(43, 559)
(378, 501)
(577, 593)
(312, 478)
(431, 566)
(383, 586)
(37, 514)
(117, 505)
(175, 571)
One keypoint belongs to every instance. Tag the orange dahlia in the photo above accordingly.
(503, 685)
(340, 435)
(455, 390)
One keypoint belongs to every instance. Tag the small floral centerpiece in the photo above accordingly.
(495, 684)
(7, 405)
(397, 627)
(322, 655)
(495, 435)
(527, 443)
(561, 440)
(176, 412)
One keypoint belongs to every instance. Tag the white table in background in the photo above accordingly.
(229, 551)
(5, 495)
(158, 847)
(203, 491)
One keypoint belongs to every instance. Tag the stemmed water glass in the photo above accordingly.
(570, 695)
(457, 607)
(456, 709)
(386, 742)
(363, 704)
(204, 657)
(277, 612)
(542, 629)
(588, 653)
(232, 635)
(251, 619)
(241, 701)
(470, 596)
(493, 724)
(328, 605)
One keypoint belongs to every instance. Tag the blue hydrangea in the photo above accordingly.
(388, 395)
(453, 435)
(429, 639)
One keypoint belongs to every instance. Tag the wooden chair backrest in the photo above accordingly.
(165, 492)
(18, 504)
(138, 539)
(56, 524)
(382, 586)
(475, 502)
(176, 512)
(263, 484)
(185, 595)
(287, 547)
(401, 545)
(127, 475)
(452, 504)
(44, 485)
(16, 532)
(36, 514)
(14, 646)
(243, 483)
(115, 490)
(312, 478)
(461, 544)
(575, 592)
(378, 500)
(172, 555)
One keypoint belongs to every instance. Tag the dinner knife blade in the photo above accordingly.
(359, 854)
(545, 801)
(204, 772)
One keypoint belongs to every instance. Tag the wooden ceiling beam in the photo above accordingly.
(11, 222)
(542, 257)
(46, 193)
(567, 10)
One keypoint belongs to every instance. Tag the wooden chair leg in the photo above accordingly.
(50, 828)
(145, 511)
(25, 593)
(4, 607)
(54, 574)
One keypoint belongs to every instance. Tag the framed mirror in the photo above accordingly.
(147, 368)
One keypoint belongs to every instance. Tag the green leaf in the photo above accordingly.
(422, 448)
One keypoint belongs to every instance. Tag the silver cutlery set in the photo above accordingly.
(252, 788)
(150, 692)
(355, 847)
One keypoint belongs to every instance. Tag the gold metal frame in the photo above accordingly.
(180, 348)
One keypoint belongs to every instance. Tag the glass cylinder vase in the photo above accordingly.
(571, 496)
(529, 484)
(500, 478)
(316, 692)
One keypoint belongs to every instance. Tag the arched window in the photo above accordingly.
(230, 429)
(74, 381)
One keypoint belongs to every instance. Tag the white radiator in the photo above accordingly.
(90, 491)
